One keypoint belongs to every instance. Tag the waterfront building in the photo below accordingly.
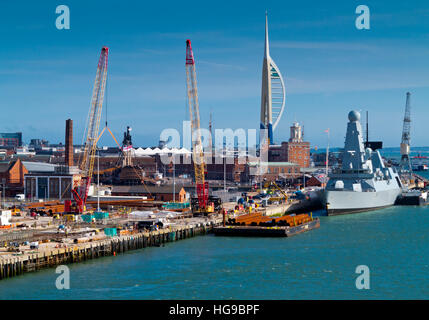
(296, 150)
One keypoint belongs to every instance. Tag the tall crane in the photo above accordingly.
(406, 137)
(86, 163)
(202, 186)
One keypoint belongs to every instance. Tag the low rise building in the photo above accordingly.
(48, 181)
(12, 177)
(271, 171)
(316, 181)
(167, 192)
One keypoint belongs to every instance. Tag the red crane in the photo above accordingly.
(86, 161)
(202, 186)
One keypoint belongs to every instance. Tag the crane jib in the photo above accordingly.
(202, 186)
(86, 163)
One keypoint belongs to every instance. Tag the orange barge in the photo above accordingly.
(257, 225)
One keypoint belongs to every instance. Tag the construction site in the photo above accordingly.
(89, 203)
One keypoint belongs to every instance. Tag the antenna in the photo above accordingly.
(211, 134)
(367, 132)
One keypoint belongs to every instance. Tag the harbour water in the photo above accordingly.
(321, 264)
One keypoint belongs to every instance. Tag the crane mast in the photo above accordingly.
(86, 163)
(194, 113)
(406, 136)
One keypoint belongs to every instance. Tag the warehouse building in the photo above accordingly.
(48, 181)
(158, 193)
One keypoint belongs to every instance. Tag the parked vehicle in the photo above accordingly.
(20, 197)
(34, 245)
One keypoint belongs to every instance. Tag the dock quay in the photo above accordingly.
(413, 197)
(257, 231)
(46, 256)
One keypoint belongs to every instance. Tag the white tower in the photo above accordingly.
(295, 133)
(273, 91)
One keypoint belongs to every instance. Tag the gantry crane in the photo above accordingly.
(86, 161)
(201, 185)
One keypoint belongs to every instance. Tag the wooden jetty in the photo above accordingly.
(11, 266)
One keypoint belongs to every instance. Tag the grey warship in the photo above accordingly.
(362, 183)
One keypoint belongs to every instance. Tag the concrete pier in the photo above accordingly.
(11, 265)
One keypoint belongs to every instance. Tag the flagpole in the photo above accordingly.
(327, 159)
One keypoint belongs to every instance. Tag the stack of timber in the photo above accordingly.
(256, 224)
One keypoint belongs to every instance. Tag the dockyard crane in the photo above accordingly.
(406, 138)
(86, 161)
(202, 186)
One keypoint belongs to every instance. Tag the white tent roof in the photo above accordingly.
(149, 151)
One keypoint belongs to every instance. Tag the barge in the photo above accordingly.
(259, 225)
(258, 231)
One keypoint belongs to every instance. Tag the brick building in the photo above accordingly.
(295, 150)
(12, 174)
(271, 171)
(11, 139)
(158, 193)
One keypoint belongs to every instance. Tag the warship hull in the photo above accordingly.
(345, 202)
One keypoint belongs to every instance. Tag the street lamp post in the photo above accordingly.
(174, 178)
(224, 170)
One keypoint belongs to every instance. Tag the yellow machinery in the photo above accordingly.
(86, 163)
(197, 146)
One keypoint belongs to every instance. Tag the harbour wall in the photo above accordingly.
(17, 265)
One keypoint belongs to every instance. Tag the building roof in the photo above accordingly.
(309, 170)
(39, 166)
(17, 135)
(273, 164)
(33, 158)
(320, 178)
(150, 151)
(4, 166)
(168, 188)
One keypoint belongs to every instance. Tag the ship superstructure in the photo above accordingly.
(362, 183)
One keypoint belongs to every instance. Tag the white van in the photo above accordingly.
(20, 197)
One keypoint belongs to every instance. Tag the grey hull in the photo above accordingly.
(344, 202)
(338, 212)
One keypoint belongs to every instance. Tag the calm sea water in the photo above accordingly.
(320, 264)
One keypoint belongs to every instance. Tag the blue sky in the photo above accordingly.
(330, 67)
